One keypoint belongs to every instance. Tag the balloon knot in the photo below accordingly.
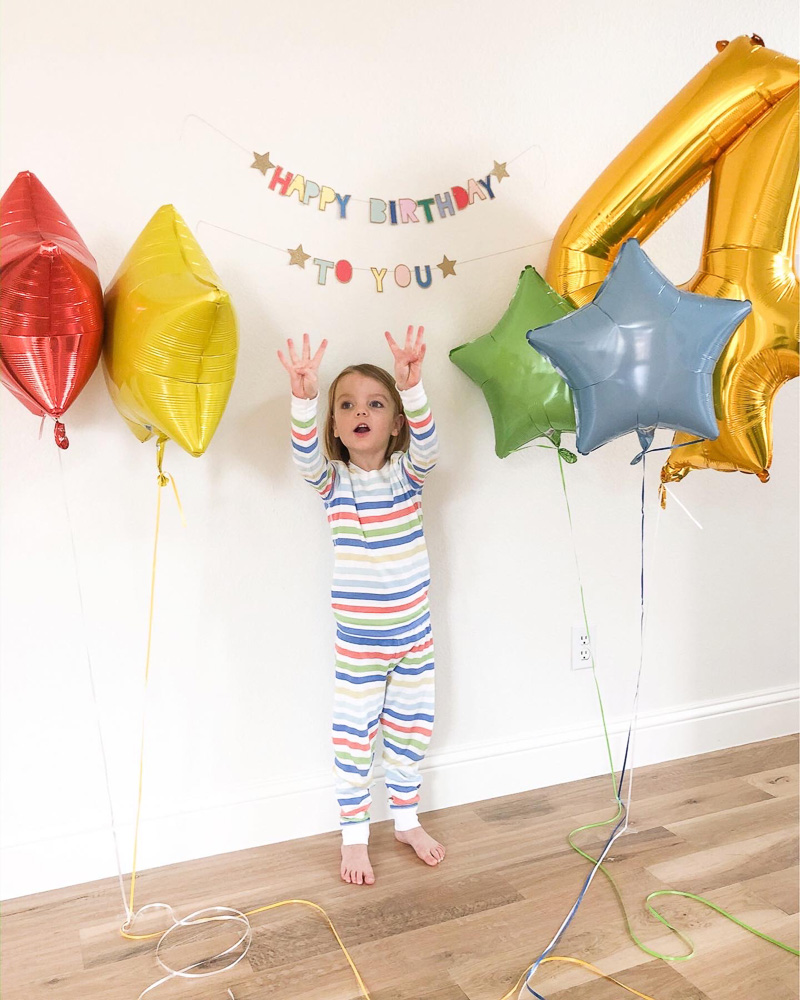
(163, 479)
(60, 434)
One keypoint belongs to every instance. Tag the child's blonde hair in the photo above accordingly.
(334, 448)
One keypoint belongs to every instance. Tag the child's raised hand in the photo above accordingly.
(303, 370)
(408, 359)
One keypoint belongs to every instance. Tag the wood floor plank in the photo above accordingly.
(771, 815)
(379, 915)
(655, 978)
(734, 762)
(738, 965)
(688, 803)
(729, 863)
(779, 888)
(777, 781)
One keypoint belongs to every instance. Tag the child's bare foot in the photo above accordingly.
(426, 848)
(355, 865)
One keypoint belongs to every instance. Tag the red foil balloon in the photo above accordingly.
(51, 302)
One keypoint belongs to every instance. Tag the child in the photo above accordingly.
(381, 444)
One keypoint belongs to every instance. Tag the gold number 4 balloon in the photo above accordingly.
(171, 339)
(748, 251)
(735, 123)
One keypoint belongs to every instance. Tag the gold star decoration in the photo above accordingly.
(262, 162)
(499, 171)
(448, 267)
(298, 256)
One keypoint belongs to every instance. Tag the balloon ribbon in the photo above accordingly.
(622, 810)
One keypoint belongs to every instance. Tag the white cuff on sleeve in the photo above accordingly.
(414, 397)
(304, 408)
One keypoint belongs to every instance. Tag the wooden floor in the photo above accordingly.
(722, 825)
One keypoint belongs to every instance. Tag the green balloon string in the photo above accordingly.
(620, 807)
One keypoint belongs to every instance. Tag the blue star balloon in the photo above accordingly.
(641, 354)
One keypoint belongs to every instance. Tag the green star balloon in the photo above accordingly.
(526, 395)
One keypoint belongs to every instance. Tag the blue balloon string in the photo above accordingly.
(623, 821)
(669, 447)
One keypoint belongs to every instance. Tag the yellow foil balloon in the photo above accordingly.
(171, 339)
(751, 235)
(667, 162)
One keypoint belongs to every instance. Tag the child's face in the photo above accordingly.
(364, 415)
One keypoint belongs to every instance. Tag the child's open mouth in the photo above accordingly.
(362, 429)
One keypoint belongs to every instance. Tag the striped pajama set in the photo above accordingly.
(384, 642)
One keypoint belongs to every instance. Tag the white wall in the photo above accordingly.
(375, 100)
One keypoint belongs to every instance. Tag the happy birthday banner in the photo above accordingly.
(378, 211)
(393, 211)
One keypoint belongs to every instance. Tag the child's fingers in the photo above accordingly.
(422, 352)
(409, 335)
(292, 352)
(318, 356)
(306, 348)
(284, 362)
(420, 337)
(392, 343)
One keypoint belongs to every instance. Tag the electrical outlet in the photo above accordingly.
(582, 648)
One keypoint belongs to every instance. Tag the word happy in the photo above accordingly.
(393, 211)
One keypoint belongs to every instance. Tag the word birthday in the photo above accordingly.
(394, 211)
(343, 270)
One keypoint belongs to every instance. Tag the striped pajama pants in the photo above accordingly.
(382, 682)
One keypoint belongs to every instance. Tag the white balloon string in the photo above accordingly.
(644, 615)
(92, 686)
(685, 509)
(210, 914)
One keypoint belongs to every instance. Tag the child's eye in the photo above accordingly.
(345, 405)
(376, 402)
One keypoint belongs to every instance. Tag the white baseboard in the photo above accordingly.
(276, 811)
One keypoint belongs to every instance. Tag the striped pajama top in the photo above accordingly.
(381, 571)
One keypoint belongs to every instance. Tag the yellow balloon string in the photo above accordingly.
(163, 480)
(513, 992)
(146, 678)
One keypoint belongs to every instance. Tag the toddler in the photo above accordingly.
(380, 442)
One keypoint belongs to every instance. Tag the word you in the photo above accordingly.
(391, 211)
(343, 270)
